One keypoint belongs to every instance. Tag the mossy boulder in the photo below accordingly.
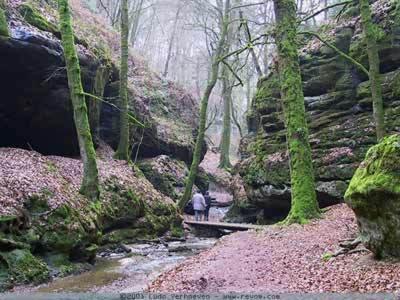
(374, 196)
(122, 208)
(166, 174)
(20, 266)
(70, 232)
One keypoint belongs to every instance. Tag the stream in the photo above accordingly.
(131, 270)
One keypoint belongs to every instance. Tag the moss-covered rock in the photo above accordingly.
(33, 17)
(166, 174)
(20, 266)
(122, 208)
(374, 196)
(70, 232)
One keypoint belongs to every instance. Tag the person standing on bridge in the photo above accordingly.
(207, 197)
(199, 205)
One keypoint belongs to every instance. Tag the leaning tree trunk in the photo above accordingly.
(90, 181)
(203, 109)
(225, 145)
(123, 146)
(370, 33)
(253, 54)
(304, 202)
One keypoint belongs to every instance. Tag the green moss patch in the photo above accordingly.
(34, 18)
(23, 267)
(3, 23)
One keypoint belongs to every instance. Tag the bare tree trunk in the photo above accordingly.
(90, 180)
(251, 49)
(123, 146)
(248, 91)
(235, 118)
(171, 41)
(134, 22)
(304, 202)
(326, 10)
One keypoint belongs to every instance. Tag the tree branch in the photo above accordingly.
(130, 116)
(341, 53)
(233, 72)
(324, 9)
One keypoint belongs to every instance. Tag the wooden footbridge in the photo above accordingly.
(221, 225)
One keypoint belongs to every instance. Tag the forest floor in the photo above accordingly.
(285, 259)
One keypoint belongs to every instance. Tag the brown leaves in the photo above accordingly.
(287, 259)
(25, 173)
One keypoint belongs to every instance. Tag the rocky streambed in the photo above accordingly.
(128, 269)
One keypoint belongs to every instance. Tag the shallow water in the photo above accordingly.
(132, 272)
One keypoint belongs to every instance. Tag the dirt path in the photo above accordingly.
(291, 259)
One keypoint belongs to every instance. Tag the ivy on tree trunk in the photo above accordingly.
(123, 146)
(370, 34)
(304, 201)
(90, 181)
(226, 131)
(203, 108)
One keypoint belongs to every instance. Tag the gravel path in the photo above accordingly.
(289, 259)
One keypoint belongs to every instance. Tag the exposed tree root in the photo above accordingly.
(349, 246)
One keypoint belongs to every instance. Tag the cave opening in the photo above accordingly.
(35, 107)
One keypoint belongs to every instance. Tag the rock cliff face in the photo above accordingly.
(339, 110)
(36, 105)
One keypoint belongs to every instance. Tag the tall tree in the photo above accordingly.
(123, 146)
(304, 202)
(134, 21)
(90, 180)
(225, 145)
(171, 40)
(370, 31)
(224, 24)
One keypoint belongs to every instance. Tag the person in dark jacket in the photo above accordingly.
(207, 198)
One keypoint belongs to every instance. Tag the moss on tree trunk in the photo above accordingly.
(370, 34)
(94, 106)
(226, 131)
(203, 108)
(123, 146)
(90, 181)
(304, 202)
(3, 20)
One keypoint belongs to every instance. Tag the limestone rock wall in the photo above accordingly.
(339, 112)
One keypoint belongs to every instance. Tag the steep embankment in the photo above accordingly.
(339, 109)
(46, 227)
(293, 259)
